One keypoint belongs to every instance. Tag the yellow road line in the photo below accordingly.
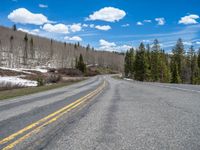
(59, 113)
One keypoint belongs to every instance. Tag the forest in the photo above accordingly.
(152, 63)
(21, 50)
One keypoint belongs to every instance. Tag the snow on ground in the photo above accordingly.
(16, 81)
(128, 79)
(26, 71)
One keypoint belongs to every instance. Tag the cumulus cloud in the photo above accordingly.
(75, 27)
(109, 14)
(24, 16)
(43, 6)
(123, 47)
(104, 28)
(106, 43)
(139, 23)
(111, 46)
(191, 19)
(74, 38)
(161, 21)
(34, 31)
(57, 28)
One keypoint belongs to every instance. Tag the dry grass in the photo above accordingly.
(30, 90)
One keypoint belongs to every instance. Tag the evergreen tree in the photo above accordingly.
(75, 46)
(198, 59)
(51, 49)
(14, 27)
(76, 63)
(32, 49)
(81, 64)
(178, 58)
(149, 60)
(88, 47)
(140, 65)
(25, 57)
(175, 74)
(129, 63)
(11, 43)
(194, 66)
(156, 63)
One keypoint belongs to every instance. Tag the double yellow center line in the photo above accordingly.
(38, 125)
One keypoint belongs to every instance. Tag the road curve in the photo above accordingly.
(104, 113)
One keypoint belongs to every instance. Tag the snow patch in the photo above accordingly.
(128, 79)
(26, 71)
(16, 81)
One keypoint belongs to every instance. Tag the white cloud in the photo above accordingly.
(43, 6)
(126, 25)
(147, 21)
(75, 27)
(85, 25)
(187, 43)
(57, 28)
(161, 21)
(139, 23)
(106, 43)
(111, 46)
(198, 43)
(74, 38)
(34, 31)
(109, 14)
(191, 19)
(91, 25)
(24, 16)
(123, 47)
(104, 28)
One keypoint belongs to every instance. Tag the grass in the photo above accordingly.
(31, 90)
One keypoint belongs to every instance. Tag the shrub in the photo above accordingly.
(53, 78)
(40, 81)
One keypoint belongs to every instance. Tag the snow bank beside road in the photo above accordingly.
(26, 71)
(16, 81)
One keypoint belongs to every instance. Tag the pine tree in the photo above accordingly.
(25, 57)
(76, 63)
(129, 63)
(32, 49)
(175, 74)
(11, 43)
(165, 73)
(81, 64)
(140, 65)
(156, 63)
(88, 47)
(198, 59)
(194, 66)
(178, 58)
(126, 64)
(14, 27)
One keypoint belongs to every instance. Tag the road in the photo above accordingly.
(103, 113)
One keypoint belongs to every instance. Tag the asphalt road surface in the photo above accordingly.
(103, 113)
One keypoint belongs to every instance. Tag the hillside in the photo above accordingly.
(18, 50)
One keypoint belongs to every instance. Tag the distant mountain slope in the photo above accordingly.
(17, 49)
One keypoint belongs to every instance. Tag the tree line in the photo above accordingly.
(152, 63)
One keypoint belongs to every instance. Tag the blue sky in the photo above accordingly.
(107, 24)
